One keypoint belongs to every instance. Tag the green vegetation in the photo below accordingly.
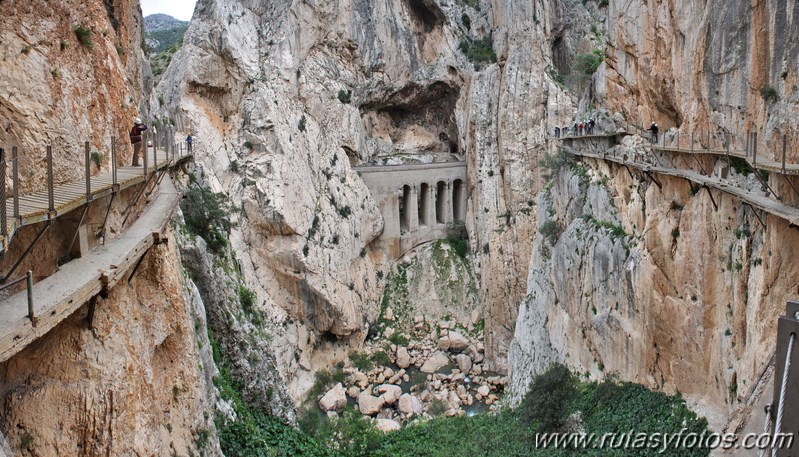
(247, 298)
(64, 45)
(553, 163)
(166, 39)
(585, 65)
(207, 215)
(253, 432)
(345, 96)
(361, 361)
(479, 52)
(473, 3)
(84, 36)
(741, 166)
(551, 229)
(97, 158)
(467, 21)
(556, 398)
(616, 231)
(769, 94)
(301, 124)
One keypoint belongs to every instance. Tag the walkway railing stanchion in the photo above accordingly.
(143, 150)
(678, 139)
(31, 315)
(784, 150)
(754, 149)
(692, 142)
(3, 209)
(15, 178)
(155, 157)
(88, 162)
(114, 162)
(727, 151)
(50, 196)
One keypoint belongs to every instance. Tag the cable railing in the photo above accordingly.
(159, 150)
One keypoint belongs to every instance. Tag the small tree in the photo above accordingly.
(547, 401)
(207, 215)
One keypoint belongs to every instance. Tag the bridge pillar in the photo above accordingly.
(448, 219)
(430, 217)
(413, 211)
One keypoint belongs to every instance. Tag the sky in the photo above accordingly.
(179, 9)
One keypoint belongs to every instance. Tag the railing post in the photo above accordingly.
(784, 149)
(50, 196)
(143, 150)
(678, 139)
(3, 209)
(692, 142)
(31, 315)
(88, 160)
(15, 178)
(114, 161)
(155, 157)
(754, 150)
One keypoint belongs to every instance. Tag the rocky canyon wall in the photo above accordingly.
(285, 97)
(61, 90)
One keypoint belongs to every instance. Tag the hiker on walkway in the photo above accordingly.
(580, 128)
(653, 130)
(136, 138)
(574, 129)
(591, 124)
(189, 142)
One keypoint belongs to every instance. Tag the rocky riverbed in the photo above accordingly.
(438, 370)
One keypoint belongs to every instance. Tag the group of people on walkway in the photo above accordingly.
(578, 129)
(137, 140)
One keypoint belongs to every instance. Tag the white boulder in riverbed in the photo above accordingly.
(453, 342)
(334, 400)
(368, 404)
(436, 362)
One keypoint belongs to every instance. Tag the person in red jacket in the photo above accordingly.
(136, 138)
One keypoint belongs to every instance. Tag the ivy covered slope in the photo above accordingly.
(557, 401)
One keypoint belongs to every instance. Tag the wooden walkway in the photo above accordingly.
(758, 163)
(79, 281)
(34, 208)
(771, 206)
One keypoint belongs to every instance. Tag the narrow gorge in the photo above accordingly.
(397, 227)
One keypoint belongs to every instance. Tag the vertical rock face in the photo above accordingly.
(704, 66)
(284, 97)
(654, 284)
(129, 385)
(58, 89)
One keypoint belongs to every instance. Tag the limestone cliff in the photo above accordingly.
(286, 97)
(653, 282)
(73, 71)
(722, 67)
(128, 384)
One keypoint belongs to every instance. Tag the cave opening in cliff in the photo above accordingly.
(404, 208)
(458, 200)
(426, 14)
(424, 204)
(441, 202)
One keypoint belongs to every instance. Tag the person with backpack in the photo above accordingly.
(591, 125)
(136, 138)
(189, 142)
(653, 129)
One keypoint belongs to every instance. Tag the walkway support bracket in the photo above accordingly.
(27, 251)
(712, 199)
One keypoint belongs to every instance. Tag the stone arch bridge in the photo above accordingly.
(419, 203)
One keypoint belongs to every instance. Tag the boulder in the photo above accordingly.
(453, 342)
(368, 404)
(387, 425)
(360, 379)
(483, 390)
(390, 393)
(334, 399)
(464, 362)
(436, 362)
(389, 315)
(403, 357)
(410, 405)
(389, 332)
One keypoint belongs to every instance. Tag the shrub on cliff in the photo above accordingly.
(84, 36)
(207, 215)
(546, 404)
(479, 52)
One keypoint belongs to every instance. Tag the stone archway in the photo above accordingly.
(424, 205)
(458, 200)
(441, 202)
(404, 196)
